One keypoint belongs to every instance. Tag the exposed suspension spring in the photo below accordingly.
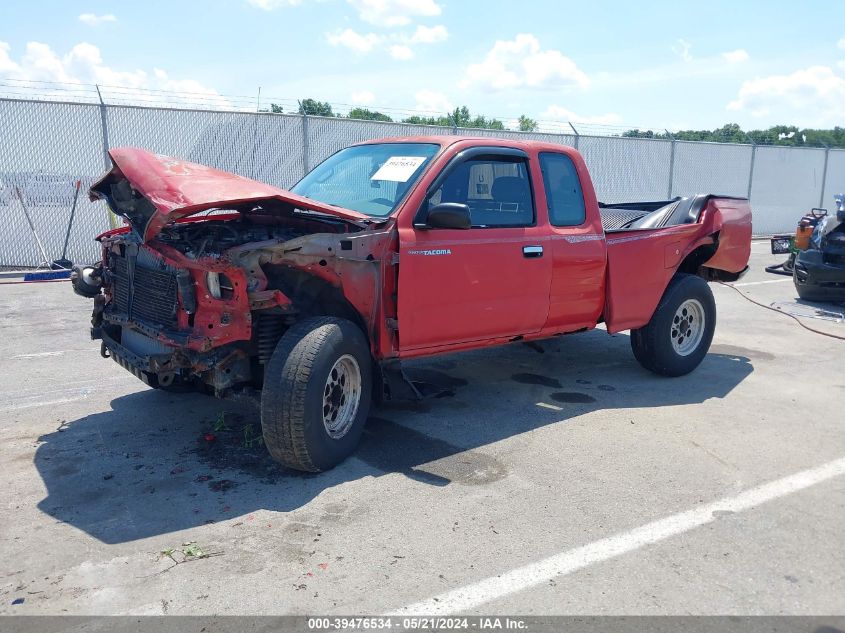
(269, 331)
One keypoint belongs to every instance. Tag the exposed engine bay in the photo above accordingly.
(213, 237)
(203, 301)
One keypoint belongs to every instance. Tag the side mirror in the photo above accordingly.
(448, 215)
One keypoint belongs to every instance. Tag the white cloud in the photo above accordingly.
(361, 43)
(269, 5)
(84, 64)
(397, 51)
(736, 57)
(559, 113)
(432, 102)
(7, 66)
(394, 12)
(430, 34)
(95, 20)
(841, 43)
(363, 97)
(813, 96)
(683, 49)
(522, 63)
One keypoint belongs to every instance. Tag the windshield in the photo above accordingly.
(370, 179)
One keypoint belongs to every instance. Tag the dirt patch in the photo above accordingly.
(572, 397)
(235, 444)
(392, 447)
(743, 352)
(536, 379)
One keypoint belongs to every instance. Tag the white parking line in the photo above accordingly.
(45, 403)
(45, 397)
(465, 598)
(37, 355)
(549, 406)
(54, 353)
(757, 283)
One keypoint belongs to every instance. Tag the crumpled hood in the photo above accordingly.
(173, 188)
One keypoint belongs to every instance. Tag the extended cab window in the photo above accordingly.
(496, 190)
(563, 190)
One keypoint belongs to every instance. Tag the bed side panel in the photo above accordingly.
(640, 265)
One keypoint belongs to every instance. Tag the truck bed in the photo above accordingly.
(625, 216)
(647, 241)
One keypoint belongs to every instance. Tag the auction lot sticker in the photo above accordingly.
(398, 168)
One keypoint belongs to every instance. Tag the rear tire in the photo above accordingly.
(676, 339)
(316, 395)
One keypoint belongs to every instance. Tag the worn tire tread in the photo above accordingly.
(283, 415)
(282, 406)
(644, 340)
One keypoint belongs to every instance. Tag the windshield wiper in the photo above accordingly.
(362, 223)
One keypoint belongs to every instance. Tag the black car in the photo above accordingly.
(819, 270)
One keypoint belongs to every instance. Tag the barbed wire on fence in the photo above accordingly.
(110, 94)
(127, 95)
(48, 144)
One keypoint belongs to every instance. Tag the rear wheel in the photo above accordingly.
(676, 339)
(316, 394)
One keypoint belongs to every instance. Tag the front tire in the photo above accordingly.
(316, 394)
(676, 339)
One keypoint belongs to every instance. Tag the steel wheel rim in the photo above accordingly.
(687, 327)
(341, 396)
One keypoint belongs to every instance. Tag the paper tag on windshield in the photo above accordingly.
(398, 168)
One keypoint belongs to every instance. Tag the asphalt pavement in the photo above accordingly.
(570, 481)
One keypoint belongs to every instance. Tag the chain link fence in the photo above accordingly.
(48, 146)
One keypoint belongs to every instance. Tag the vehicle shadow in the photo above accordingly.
(156, 463)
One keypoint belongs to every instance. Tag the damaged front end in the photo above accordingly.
(201, 301)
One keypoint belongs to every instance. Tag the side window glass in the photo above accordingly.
(563, 190)
(497, 192)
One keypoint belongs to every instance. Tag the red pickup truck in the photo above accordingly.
(389, 250)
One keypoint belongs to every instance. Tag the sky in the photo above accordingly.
(657, 65)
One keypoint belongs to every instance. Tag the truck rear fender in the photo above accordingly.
(640, 265)
(642, 262)
(730, 220)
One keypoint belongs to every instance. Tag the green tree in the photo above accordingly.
(368, 115)
(315, 108)
(788, 135)
(459, 117)
(527, 124)
(423, 120)
(276, 108)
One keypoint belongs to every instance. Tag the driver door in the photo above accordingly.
(486, 282)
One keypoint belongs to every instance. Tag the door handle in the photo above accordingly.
(532, 251)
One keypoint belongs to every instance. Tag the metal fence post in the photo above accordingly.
(671, 166)
(305, 158)
(113, 223)
(255, 141)
(105, 127)
(577, 136)
(751, 168)
(824, 175)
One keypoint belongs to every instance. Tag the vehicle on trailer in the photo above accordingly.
(816, 260)
(390, 250)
